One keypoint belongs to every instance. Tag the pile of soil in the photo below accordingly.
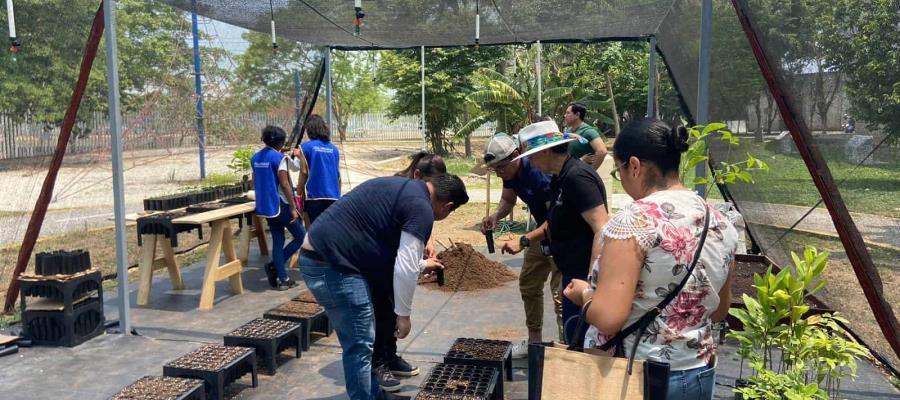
(465, 269)
(743, 279)
(305, 297)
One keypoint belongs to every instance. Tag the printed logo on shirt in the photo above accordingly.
(328, 150)
(262, 164)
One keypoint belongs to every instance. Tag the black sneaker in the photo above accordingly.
(270, 274)
(286, 284)
(387, 380)
(400, 367)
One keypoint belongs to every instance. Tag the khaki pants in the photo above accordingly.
(535, 271)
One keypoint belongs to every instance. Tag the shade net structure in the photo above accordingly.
(813, 50)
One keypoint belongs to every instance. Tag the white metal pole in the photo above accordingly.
(11, 16)
(115, 131)
(540, 93)
(703, 80)
(651, 80)
(328, 91)
(424, 141)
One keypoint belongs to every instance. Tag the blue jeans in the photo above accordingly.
(348, 304)
(569, 309)
(276, 227)
(692, 384)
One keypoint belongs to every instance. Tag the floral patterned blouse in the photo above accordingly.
(667, 226)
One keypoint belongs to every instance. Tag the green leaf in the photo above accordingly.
(715, 126)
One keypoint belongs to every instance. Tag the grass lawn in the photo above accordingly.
(865, 189)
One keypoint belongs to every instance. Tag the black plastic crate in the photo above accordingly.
(269, 337)
(216, 365)
(457, 382)
(63, 291)
(159, 387)
(62, 262)
(64, 328)
(161, 224)
(310, 316)
(482, 352)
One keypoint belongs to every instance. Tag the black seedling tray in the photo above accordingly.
(62, 262)
(217, 380)
(317, 322)
(65, 291)
(64, 328)
(450, 382)
(204, 207)
(148, 387)
(161, 224)
(283, 335)
(463, 357)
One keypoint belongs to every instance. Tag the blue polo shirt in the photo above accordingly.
(360, 233)
(324, 161)
(265, 181)
(533, 187)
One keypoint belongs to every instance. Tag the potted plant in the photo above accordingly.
(793, 354)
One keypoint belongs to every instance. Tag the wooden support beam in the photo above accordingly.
(43, 200)
(855, 247)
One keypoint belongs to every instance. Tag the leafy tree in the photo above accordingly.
(264, 77)
(448, 80)
(154, 57)
(356, 90)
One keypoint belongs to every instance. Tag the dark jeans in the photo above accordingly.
(315, 208)
(385, 348)
(276, 227)
(570, 309)
(348, 304)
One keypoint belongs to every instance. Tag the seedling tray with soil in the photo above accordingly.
(269, 337)
(163, 388)
(483, 353)
(462, 382)
(218, 366)
(310, 316)
(305, 297)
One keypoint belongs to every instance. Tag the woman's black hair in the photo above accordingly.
(426, 163)
(317, 129)
(652, 140)
(273, 136)
(579, 109)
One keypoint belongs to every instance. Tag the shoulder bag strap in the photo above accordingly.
(651, 315)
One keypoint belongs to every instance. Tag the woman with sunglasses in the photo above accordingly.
(648, 251)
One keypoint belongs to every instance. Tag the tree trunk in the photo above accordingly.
(468, 141)
(771, 113)
(758, 108)
(612, 98)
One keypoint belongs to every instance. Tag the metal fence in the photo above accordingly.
(163, 130)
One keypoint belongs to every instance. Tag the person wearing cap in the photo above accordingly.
(522, 180)
(589, 146)
(577, 210)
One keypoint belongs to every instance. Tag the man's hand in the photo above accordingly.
(295, 152)
(574, 290)
(511, 247)
(403, 327)
(431, 266)
(430, 252)
(489, 223)
(295, 215)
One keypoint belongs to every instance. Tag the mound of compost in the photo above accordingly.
(466, 269)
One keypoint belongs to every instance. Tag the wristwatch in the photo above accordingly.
(524, 242)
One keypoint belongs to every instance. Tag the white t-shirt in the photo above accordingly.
(290, 165)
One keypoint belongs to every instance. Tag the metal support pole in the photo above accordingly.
(198, 91)
(651, 80)
(297, 94)
(422, 53)
(328, 91)
(539, 73)
(115, 134)
(703, 80)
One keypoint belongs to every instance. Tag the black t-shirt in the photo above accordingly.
(359, 234)
(576, 189)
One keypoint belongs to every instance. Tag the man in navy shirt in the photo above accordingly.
(375, 232)
(522, 180)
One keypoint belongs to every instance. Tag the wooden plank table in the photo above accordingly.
(219, 243)
(150, 262)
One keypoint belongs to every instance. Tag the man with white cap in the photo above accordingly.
(526, 182)
(577, 210)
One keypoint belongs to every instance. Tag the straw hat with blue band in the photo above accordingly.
(541, 136)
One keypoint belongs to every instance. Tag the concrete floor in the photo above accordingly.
(171, 325)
